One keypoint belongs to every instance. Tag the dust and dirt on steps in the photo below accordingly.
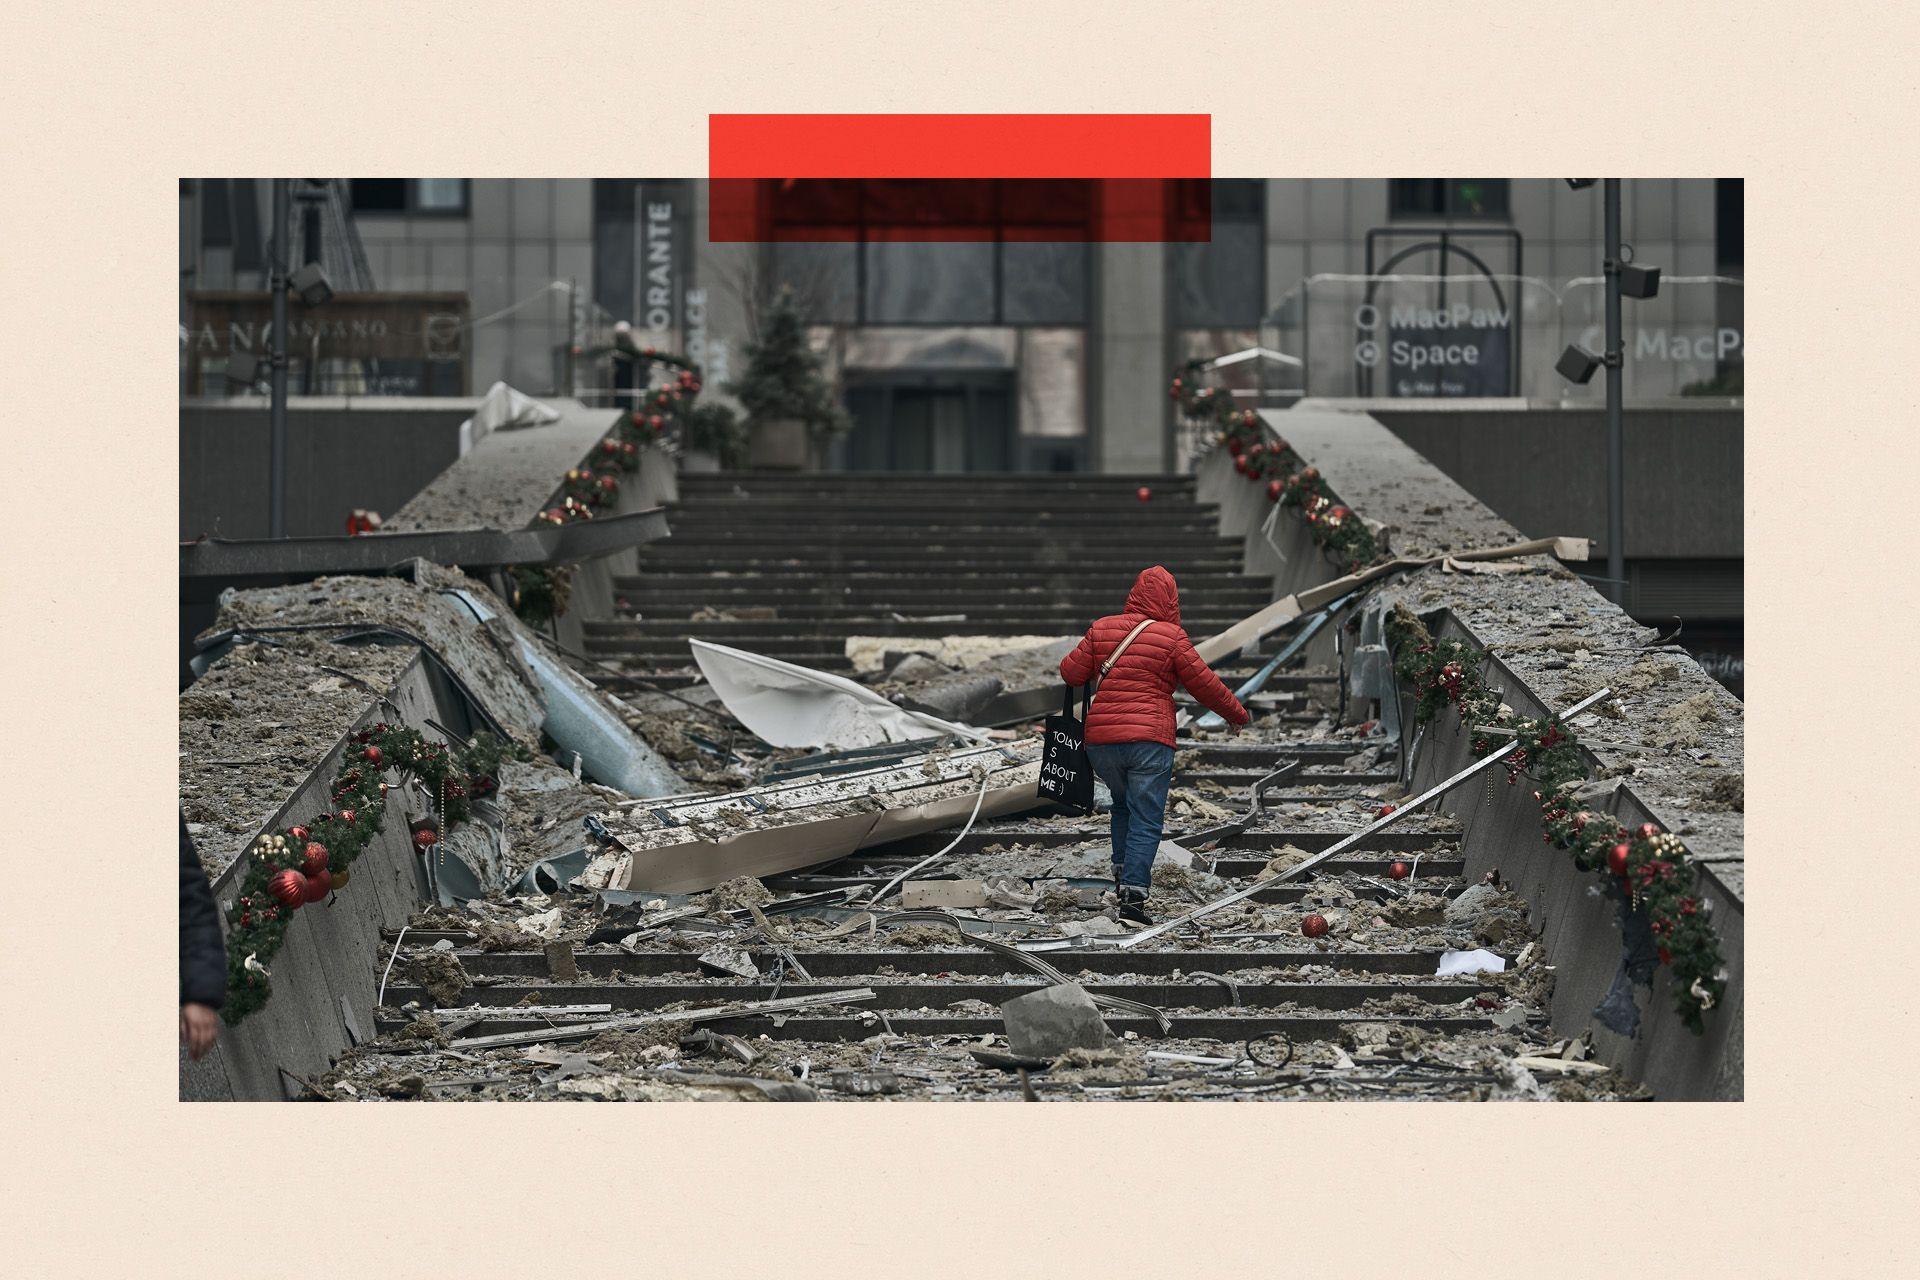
(257, 725)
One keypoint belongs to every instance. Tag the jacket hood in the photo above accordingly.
(1155, 594)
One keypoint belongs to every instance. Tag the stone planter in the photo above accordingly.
(699, 460)
(777, 444)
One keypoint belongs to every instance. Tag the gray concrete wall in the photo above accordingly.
(326, 974)
(1426, 512)
(1684, 478)
(1130, 414)
(341, 454)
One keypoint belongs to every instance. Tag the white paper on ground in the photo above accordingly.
(786, 705)
(1476, 961)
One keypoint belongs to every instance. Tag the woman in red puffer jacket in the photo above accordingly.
(1130, 726)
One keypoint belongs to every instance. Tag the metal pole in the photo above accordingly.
(277, 419)
(1616, 447)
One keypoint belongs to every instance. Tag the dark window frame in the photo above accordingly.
(864, 232)
(411, 206)
(1424, 199)
(1227, 208)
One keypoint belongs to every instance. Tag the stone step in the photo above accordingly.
(964, 481)
(944, 960)
(1230, 1028)
(893, 993)
(988, 580)
(833, 628)
(1279, 893)
(1392, 840)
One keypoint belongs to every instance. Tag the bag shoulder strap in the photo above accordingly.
(1115, 656)
(1122, 647)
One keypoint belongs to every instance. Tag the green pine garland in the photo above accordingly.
(668, 410)
(257, 921)
(1339, 532)
(1652, 866)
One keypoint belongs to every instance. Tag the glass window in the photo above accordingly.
(440, 195)
(1043, 283)
(1447, 197)
(408, 195)
(379, 195)
(824, 279)
(1222, 284)
(915, 283)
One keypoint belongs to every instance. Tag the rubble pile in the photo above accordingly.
(639, 996)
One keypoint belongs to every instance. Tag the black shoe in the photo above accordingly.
(1133, 906)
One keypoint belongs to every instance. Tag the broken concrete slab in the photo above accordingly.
(1476, 901)
(560, 962)
(916, 895)
(1053, 1020)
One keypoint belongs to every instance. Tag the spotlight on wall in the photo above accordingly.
(1577, 364)
(1580, 183)
(1639, 282)
(243, 370)
(310, 282)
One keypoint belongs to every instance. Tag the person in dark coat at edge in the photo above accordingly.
(203, 956)
(1130, 724)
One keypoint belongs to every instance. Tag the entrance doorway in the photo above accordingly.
(935, 422)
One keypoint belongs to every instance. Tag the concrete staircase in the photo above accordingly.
(840, 554)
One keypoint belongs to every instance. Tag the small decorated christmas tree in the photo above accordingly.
(784, 390)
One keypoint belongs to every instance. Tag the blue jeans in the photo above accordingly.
(1138, 774)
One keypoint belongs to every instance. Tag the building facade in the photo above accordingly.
(1026, 343)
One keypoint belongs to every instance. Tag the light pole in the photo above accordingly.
(1577, 365)
(1616, 445)
(277, 414)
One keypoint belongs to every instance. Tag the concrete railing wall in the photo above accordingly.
(375, 453)
(1529, 624)
(511, 476)
(325, 975)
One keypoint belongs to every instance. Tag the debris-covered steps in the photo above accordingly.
(790, 565)
(1362, 1011)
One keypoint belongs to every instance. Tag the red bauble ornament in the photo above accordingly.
(1143, 493)
(425, 839)
(1273, 490)
(319, 886)
(339, 879)
(374, 756)
(1385, 809)
(346, 815)
(1617, 859)
(289, 888)
(1399, 871)
(1310, 474)
(657, 422)
(1234, 446)
(1314, 925)
(314, 858)
(296, 833)
(1648, 831)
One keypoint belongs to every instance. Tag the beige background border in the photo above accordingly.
(107, 1174)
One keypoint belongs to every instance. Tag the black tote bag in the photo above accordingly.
(1066, 775)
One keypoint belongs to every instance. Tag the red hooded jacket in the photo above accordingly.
(1134, 701)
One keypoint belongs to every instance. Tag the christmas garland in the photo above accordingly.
(540, 594)
(303, 863)
(1651, 866)
(1342, 535)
